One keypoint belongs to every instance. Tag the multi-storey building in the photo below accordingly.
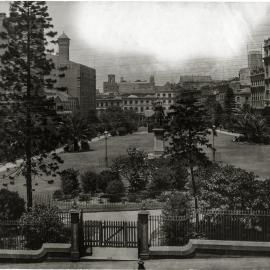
(76, 80)
(165, 95)
(257, 88)
(267, 71)
(255, 60)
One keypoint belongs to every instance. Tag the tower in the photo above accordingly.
(63, 44)
(111, 78)
(152, 79)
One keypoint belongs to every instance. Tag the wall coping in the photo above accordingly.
(195, 245)
(53, 248)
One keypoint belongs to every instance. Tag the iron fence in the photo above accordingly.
(18, 235)
(209, 224)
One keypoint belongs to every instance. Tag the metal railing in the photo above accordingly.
(209, 224)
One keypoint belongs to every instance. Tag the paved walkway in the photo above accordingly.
(180, 264)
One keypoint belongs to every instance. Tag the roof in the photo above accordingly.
(63, 36)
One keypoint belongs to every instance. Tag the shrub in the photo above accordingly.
(43, 225)
(115, 190)
(89, 182)
(122, 131)
(85, 146)
(11, 205)
(70, 183)
(107, 176)
(58, 194)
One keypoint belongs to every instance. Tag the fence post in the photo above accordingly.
(100, 227)
(75, 235)
(143, 247)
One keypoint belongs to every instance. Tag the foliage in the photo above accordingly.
(177, 204)
(115, 190)
(69, 182)
(134, 168)
(165, 176)
(90, 182)
(122, 131)
(253, 127)
(43, 225)
(11, 205)
(31, 126)
(78, 129)
(105, 177)
(114, 118)
(58, 194)
(227, 187)
(187, 136)
(85, 146)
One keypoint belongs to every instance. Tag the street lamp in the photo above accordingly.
(213, 143)
(106, 147)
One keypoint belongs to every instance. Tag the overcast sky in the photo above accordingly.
(167, 39)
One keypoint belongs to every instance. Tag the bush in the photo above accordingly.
(11, 205)
(58, 194)
(70, 183)
(107, 176)
(89, 182)
(115, 190)
(43, 225)
(85, 146)
(122, 131)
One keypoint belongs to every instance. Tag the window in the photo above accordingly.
(170, 95)
(147, 108)
(130, 102)
(141, 109)
(164, 95)
(106, 104)
(125, 102)
(147, 101)
(136, 101)
(158, 95)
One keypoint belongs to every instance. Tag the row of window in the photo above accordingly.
(164, 95)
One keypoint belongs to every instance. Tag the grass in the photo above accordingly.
(254, 158)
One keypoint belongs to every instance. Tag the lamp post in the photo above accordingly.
(106, 148)
(213, 143)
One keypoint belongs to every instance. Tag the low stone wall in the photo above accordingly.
(211, 247)
(48, 251)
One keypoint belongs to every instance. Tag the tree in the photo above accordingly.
(11, 205)
(31, 128)
(252, 126)
(166, 176)
(228, 188)
(78, 129)
(115, 190)
(134, 168)
(229, 106)
(43, 225)
(69, 182)
(107, 176)
(187, 137)
(90, 182)
(114, 118)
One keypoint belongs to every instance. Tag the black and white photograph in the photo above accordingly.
(135, 135)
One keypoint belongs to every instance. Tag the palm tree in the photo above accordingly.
(78, 129)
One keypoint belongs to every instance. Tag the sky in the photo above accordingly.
(166, 39)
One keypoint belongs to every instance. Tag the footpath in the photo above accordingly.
(244, 263)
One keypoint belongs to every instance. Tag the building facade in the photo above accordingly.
(257, 88)
(267, 72)
(76, 80)
(255, 60)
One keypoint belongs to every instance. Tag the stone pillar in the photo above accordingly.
(143, 247)
(158, 141)
(75, 235)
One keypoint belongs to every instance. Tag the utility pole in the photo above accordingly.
(106, 149)
(213, 143)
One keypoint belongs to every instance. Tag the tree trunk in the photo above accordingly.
(28, 144)
(76, 145)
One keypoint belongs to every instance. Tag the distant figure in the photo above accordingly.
(141, 264)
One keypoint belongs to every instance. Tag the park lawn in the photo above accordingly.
(250, 157)
(92, 160)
